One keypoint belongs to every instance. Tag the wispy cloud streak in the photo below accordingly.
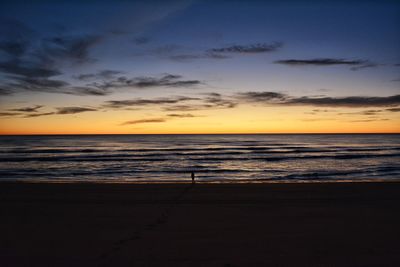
(249, 49)
(73, 110)
(168, 80)
(27, 109)
(139, 102)
(156, 120)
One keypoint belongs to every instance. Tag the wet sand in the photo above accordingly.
(327, 224)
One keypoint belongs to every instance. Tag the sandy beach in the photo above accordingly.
(325, 224)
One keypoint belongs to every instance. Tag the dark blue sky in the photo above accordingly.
(84, 54)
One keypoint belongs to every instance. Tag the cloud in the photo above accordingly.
(249, 49)
(14, 48)
(356, 64)
(27, 109)
(156, 120)
(209, 101)
(393, 109)
(73, 110)
(175, 103)
(316, 111)
(86, 91)
(369, 120)
(221, 53)
(30, 61)
(24, 76)
(38, 84)
(73, 48)
(319, 62)
(39, 114)
(184, 54)
(191, 57)
(159, 120)
(167, 80)
(20, 84)
(366, 65)
(31, 112)
(324, 90)
(370, 112)
(185, 115)
(39, 80)
(5, 91)
(16, 37)
(262, 96)
(60, 111)
(9, 114)
(350, 101)
(104, 75)
(26, 69)
(139, 102)
(23, 64)
(184, 108)
(322, 110)
(217, 100)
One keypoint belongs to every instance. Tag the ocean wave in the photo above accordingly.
(203, 157)
(188, 150)
(213, 157)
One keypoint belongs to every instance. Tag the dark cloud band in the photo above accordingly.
(354, 64)
(27, 109)
(350, 101)
(319, 62)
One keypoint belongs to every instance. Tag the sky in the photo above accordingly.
(199, 66)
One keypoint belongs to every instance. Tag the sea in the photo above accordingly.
(231, 158)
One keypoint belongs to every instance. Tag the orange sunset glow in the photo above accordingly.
(248, 119)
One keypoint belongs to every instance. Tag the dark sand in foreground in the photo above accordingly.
(336, 224)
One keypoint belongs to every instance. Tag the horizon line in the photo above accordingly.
(283, 133)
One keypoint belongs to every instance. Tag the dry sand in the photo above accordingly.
(336, 224)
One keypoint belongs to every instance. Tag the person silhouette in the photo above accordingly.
(192, 174)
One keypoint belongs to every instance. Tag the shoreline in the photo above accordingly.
(188, 182)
